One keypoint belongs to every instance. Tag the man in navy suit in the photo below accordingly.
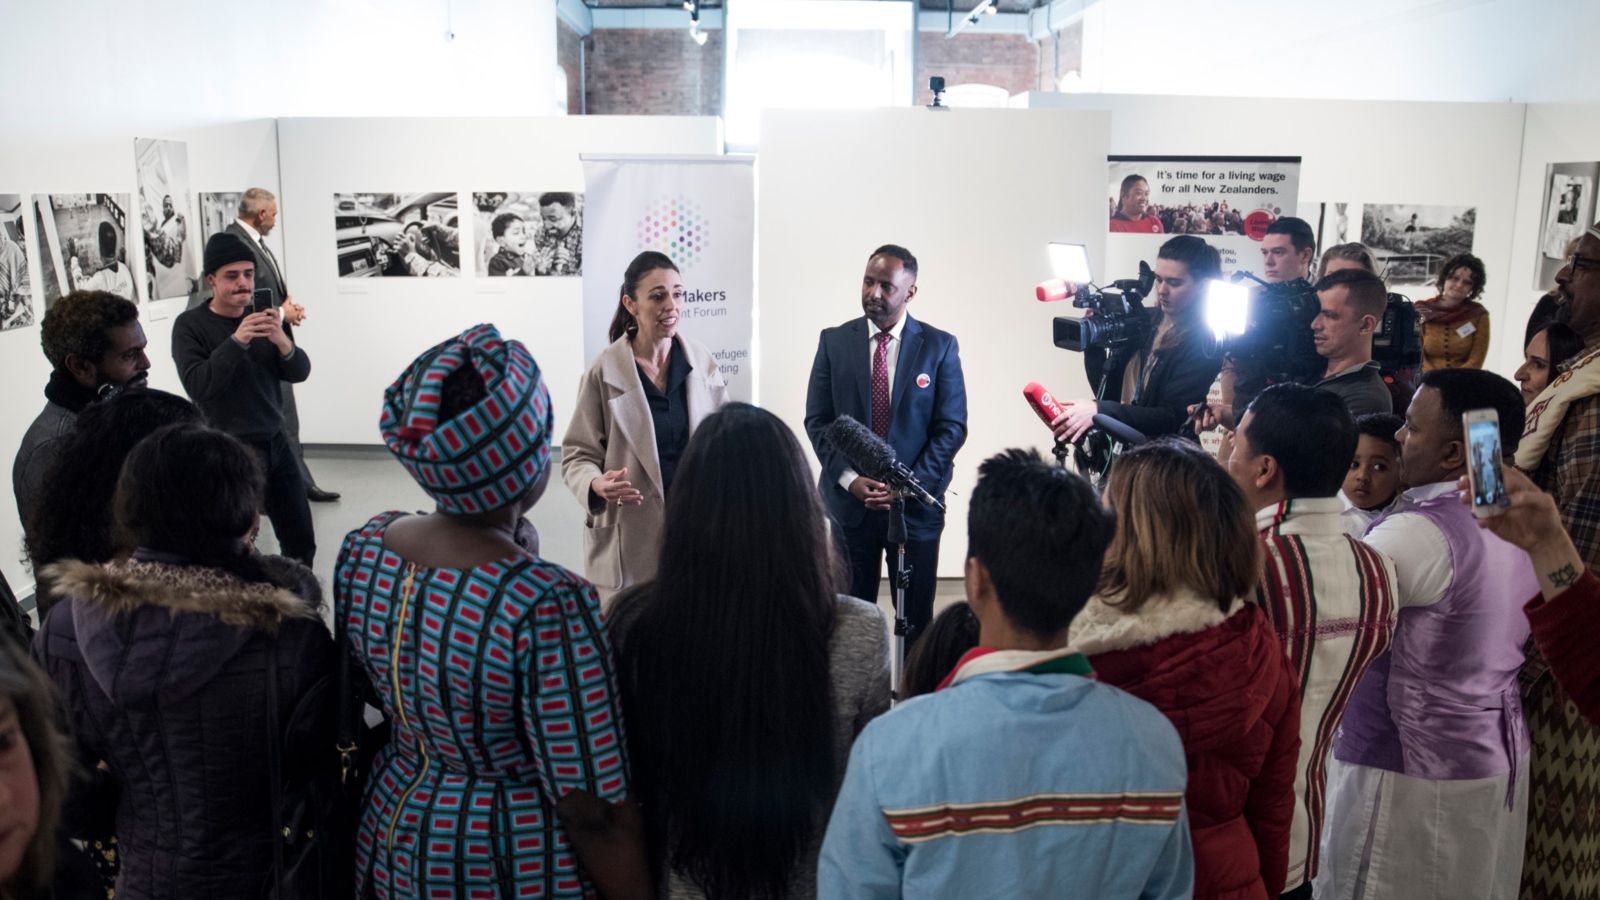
(902, 379)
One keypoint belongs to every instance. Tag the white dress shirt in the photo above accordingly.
(849, 475)
(1417, 546)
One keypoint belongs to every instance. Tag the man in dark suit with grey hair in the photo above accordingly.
(258, 215)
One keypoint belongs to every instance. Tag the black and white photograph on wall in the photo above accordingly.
(172, 265)
(218, 209)
(16, 294)
(1333, 223)
(83, 245)
(1569, 209)
(1411, 242)
(409, 235)
(529, 232)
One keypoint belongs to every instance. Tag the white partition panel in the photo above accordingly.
(1554, 134)
(976, 195)
(226, 157)
(362, 331)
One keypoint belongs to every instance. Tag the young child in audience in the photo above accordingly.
(935, 654)
(1022, 776)
(1373, 483)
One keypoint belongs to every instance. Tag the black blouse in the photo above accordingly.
(670, 412)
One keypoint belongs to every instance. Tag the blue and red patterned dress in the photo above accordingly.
(498, 684)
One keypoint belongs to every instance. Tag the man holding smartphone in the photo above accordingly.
(233, 356)
(1430, 766)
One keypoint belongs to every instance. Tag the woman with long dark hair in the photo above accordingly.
(637, 405)
(73, 519)
(745, 675)
(164, 661)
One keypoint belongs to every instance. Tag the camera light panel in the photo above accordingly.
(1227, 308)
(1070, 262)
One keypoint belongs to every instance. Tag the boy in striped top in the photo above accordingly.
(1021, 776)
(1329, 596)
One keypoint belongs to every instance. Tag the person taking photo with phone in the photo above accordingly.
(233, 356)
(1436, 724)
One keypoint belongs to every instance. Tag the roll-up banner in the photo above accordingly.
(700, 211)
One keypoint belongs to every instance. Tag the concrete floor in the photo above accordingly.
(370, 481)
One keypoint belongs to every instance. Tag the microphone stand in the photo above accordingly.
(901, 582)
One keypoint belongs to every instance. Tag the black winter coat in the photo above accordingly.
(1179, 379)
(161, 671)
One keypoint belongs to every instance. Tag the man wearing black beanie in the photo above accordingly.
(233, 361)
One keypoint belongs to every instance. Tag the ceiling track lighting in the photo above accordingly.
(692, 7)
(985, 8)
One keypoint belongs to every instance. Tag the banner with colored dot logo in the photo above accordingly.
(700, 213)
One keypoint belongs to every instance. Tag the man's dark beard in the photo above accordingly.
(1563, 311)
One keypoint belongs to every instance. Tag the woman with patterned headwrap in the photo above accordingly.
(637, 405)
(490, 663)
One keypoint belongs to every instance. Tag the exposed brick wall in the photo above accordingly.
(569, 55)
(1010, 61)
(654, 71)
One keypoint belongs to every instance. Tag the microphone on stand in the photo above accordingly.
(872, 457)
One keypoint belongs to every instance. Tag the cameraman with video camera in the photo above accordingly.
(1167, 366)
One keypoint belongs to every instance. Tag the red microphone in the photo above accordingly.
(1054, 289)
(1044, 404)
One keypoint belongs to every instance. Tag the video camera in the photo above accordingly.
(1397, 345)
(1265, 330)
(1119, 318)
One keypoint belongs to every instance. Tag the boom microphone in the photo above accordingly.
(1043, 402)
(869, 455)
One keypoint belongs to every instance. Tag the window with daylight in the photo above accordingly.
(813, 54)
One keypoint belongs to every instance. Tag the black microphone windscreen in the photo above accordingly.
(867, 452)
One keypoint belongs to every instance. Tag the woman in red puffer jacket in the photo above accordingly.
(1171, 626)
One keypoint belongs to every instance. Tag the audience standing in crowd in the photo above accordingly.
(1373, 484)
(952, 635)
(37, 862)
(1543, 358)
(75, 517)
(1023, 776)
(1156, 381)
(162, 661)
(745, 675)
(1429, 782)
(1352, 304)
(233, 363)
(490, 663)
(1330, 598)
(1561, 452)
(641, 399)
(96, 348)
(1173, 624)
(1455, 326)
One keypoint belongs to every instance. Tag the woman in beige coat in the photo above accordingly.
(637, 405)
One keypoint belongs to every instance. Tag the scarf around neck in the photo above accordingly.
(1434, 312)
(1549, 409)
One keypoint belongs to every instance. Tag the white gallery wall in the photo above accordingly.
(1554, 134)
(221, 158)
(1436, 154)
(95, 67)
(361, 332)
(833, 186)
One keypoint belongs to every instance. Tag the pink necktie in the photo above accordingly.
(880, 386)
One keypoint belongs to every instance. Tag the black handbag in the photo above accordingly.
(316, 801)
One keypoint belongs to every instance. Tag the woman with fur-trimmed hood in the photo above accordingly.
(161, 661)
(1172, 624)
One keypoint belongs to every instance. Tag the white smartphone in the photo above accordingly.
(1484, 471)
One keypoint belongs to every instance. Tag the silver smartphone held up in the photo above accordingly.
(1484, 467)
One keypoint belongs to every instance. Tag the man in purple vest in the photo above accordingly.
(1428, 790)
